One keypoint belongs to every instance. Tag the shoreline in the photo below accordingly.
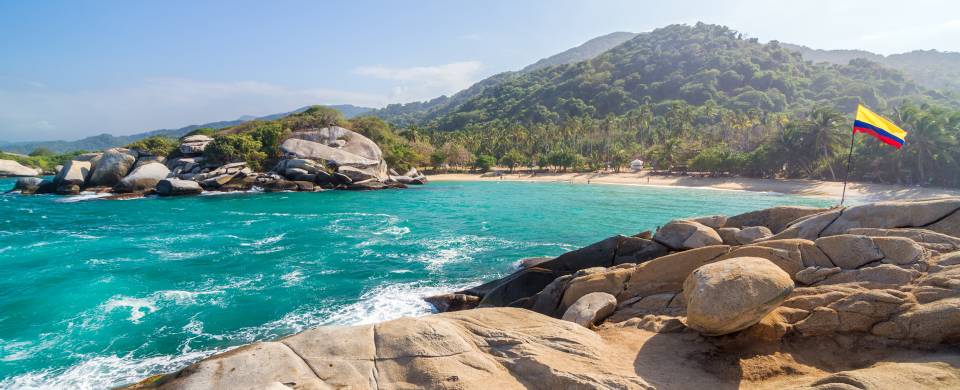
(861, 192)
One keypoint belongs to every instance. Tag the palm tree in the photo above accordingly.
(823, 134)
(928, 140)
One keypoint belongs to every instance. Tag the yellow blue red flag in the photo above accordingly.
(869, 122)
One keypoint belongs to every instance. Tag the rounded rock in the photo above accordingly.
(733, 294)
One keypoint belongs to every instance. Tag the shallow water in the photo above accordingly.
(95, 293)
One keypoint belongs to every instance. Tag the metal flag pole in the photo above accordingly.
(843, 195)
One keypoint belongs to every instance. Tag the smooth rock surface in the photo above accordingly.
(14, 169)
(170, 187)
(590, 309)
(686, 235)
(143, 178)
(731, 295)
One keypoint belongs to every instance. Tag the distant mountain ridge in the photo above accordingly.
(105, 141)
(418, 112)
(930, 68)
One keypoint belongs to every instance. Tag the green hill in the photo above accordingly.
(694, 64)
(930, 68)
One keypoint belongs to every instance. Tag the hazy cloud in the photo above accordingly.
(425, 82)
(155, 103)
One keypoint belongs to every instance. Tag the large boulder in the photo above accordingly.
(354, 155)
(143, 178)
(170, 187)
(501, 348)
(74, 172)
(684, 235)
(775, 218)
(590, 309)
(112, 167)
(194, 144)
(734, 294)
(893, 214)
(751, 234)
(27, 185)
(12, 168)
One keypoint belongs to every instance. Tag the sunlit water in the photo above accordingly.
(95, 293)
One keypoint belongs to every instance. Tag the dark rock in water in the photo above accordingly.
(323, 177)
(527, 282)
(132, 195)
(47, 186)
(239, 184)
(171, 187)
(112, 167)
(280, 185)
(68, 189)
(308, 177)
(27, 185)
(338, 178)
(304, 185)
(367, 186)
(533, 261)
(453, 302)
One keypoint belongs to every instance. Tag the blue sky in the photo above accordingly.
(70, 69)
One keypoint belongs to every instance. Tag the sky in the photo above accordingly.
(70, 69)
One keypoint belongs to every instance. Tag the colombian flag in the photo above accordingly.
(869, 122)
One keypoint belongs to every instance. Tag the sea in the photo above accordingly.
(98, 293)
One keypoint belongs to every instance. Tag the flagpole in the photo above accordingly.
(846, 176)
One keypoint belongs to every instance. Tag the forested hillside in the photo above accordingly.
(929, 68)
(699, 97)
(692, 64)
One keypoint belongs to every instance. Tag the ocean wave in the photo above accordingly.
(292, 278)
(102, 372)
(138, 307)
(164, 254)
(82, 197)
(265, 241)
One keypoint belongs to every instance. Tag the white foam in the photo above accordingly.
(292, 279)
(82, 197)
(265, 241)
(103, 372)
(138, 307)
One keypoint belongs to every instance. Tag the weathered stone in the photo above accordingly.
(12, 168)
(171, 187)
(776, 218)
(731, 295)
(27, 185)
(74, 172)
(751, 234)
(667, 273)
(809, 227)
(813, 275)
(143, 178)
(728, 235)
(899, 250)
(591, 309)
(893, 214)
(849, 251)
(194, 144)
(710, 221)
(111, 167)
(686, 235)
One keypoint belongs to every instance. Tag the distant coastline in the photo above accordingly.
(860, 192)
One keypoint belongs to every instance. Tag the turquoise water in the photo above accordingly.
(95, 293)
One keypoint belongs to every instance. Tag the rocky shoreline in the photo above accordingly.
(312, 160)
(863, 297)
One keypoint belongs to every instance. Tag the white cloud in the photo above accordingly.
(425, 82)
(155, 103)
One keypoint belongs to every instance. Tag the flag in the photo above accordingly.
(869, 122)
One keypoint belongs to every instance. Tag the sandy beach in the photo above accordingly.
(856, 192)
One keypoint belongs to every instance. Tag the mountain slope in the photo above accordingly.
(421, 112)
(588, 50)
(104, 141)
(930, 68)
(694, 64)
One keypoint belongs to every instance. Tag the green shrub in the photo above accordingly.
(155, 146)
(236, 148)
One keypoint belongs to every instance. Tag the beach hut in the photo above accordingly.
(636, 165)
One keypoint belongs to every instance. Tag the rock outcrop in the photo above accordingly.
(10, 168)
(171, 187)
(111, 167)
(194, 144)
(347, 152)
(733, 294)
(874, 304)
(681, 235)
(144, 178)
